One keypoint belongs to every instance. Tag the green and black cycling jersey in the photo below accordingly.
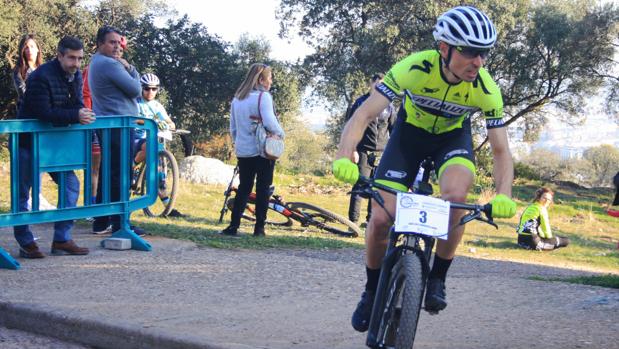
(435, 105)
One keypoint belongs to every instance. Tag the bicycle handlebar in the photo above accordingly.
(366, 189)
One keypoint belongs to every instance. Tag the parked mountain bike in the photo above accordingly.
(405, 267)
(284, 213)
(167, 172)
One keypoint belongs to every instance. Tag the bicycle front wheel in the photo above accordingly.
(325, 219)
(167, 185)
(400, 315)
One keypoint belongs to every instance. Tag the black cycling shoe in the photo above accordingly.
(361, 317)
(436, 298)
(175, 213)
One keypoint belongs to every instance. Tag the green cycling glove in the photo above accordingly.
(346, 170)
(503, 206)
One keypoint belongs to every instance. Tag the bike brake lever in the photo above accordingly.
(488, 221)
(469, 217)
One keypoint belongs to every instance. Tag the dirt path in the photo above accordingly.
(303, 299)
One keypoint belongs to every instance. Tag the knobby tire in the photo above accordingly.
(326, 220)
(398, 323)
(166, 163)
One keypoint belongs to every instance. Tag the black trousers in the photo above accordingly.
(366, 169)
(250, 169)
(102, 222)
(535, 242)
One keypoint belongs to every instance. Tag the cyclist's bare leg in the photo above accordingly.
(141, 155)
(377, 231)
(455, 183)
(94, 172)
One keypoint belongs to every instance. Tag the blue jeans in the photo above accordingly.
(62, 230)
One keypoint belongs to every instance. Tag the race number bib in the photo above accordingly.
(422, 214)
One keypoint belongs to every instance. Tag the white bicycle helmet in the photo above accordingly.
(150, 80)
(465, 26)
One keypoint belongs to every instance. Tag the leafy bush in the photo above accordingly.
(522, 170)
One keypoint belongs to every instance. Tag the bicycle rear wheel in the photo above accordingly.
(249, 214)
(326, 220)
(168, 178)
(398, 323)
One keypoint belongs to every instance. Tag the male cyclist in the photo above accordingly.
(441, 89)
(149, 108)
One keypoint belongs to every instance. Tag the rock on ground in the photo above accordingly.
(201, 170)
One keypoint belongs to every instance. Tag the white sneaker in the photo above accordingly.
(107, 230)
(43, 204)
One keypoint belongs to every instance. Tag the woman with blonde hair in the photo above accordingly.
(252, 101)
(534, 229)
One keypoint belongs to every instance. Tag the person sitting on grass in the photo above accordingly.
(534, 231)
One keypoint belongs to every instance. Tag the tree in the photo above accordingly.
(604, 160)
(197, 73)
(546, 54)
(49, 20)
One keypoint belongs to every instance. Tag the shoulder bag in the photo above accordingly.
(271, 145)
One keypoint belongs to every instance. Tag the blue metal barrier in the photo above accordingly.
(56, 149)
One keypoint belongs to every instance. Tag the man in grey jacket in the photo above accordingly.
(115, 87)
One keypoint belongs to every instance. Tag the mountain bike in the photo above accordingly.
(405, 267)
(287, 212)
(167, 172)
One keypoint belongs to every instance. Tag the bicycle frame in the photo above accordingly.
(402, 243)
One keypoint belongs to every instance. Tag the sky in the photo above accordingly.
(229, 19)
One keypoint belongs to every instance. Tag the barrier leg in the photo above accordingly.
(125, 232)
(8, 262)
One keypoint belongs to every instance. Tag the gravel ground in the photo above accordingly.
(303, 299)
(16, 339)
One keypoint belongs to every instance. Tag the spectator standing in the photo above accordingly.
(96, 146)
(534, 231)
(371, 145)
(30, 58)
(612, 211)
(252, 99)
(114, 86)
(54, 95)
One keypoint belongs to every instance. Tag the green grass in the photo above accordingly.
(609, 280)
(578, 214)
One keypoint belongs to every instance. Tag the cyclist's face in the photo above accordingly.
(462, 65)
(546, 199)
(149, 93)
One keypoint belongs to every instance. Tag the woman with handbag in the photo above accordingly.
(252, 109)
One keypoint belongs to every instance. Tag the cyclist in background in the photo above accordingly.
(534, 231)
(441, 89)
(151, 109)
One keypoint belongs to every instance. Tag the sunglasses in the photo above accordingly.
(150, 88)
(472, 52)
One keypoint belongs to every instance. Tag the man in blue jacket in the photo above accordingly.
(54, 94)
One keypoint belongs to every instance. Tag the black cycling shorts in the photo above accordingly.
(408, 146)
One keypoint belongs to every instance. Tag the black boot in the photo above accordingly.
(230, 231)
(259, 231)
